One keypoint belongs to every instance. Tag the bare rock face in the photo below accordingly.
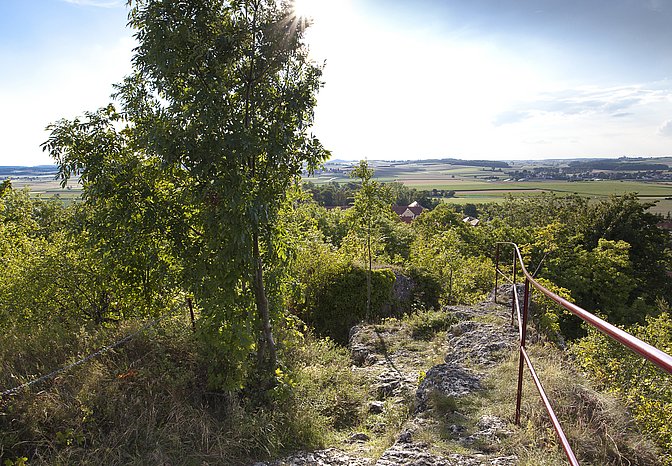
(416, 454)
(329, 457)
(492, 429)
(393, 364)
(447, 380)
(480, 344)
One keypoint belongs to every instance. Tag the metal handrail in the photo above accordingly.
(651, 353)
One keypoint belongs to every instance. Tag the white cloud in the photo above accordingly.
(587, 101)
(666, 129)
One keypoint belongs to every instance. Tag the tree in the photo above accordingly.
(217, 112)
(372, 203)
(625, 218)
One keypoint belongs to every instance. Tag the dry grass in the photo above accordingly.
(597, 425)
(147, 403)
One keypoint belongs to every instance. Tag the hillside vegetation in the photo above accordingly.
(167, 392)
(196, 305)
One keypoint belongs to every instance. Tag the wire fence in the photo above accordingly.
(89, 357)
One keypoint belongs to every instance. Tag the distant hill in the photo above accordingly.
(618, 165)
(12, 171)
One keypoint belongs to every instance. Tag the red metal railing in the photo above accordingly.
(651, 353)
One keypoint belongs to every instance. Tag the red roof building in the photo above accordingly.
(408, 213)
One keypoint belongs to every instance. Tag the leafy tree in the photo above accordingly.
(465, 278)
(372, 204)
(216, 113)
(625, 218)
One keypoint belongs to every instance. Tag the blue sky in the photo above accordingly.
(497, 79)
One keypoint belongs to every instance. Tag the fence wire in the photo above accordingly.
(89, 357)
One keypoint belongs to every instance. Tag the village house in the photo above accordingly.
(408, 213)
(473, 221)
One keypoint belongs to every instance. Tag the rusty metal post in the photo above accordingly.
(191, 311)
(513, 287)
(496, 270)
(519, 394)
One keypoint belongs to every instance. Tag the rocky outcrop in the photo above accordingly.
(448, 380)
(471, 348)
(329, 457)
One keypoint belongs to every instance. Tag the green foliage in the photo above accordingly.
(325, 388)
(20, 461)
(646, 389)
(426, 288)
(333, 193)
(425, 325)
(610, 254)
(546, 313)
(343, 194)
(129, 406)
(404, 195)
(336, 298)
(464, 278)
(372, 205)
(189, 176)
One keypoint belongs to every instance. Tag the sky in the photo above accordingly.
(404, 79)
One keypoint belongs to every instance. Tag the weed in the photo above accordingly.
(597, 426)
(425, 324)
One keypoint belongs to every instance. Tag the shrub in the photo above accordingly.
(646, 389)
(336, 298)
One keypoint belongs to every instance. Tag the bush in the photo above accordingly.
(646, 389)
(426, 288)
(336, 298)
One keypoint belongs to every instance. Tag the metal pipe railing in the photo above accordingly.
(651, 353)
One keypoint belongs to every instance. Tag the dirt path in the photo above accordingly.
(427, 374)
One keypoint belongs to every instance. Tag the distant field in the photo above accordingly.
(471, 186)
(468, 182)
(46, 188)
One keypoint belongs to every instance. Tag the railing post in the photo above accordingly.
(513, 287)
(496, 270)
(519, 394)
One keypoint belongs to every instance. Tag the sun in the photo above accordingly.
(310, 9)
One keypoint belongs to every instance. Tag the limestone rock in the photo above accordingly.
(447, 380)
(328, 457)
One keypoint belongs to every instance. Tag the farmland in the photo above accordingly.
(481, 184)
(471, 183)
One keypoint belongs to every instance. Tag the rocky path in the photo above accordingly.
(400, 367)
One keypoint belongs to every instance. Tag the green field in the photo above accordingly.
(482, 184)
(468, 182)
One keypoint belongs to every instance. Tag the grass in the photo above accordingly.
(147, 403)
(424, 325)
(597, 425)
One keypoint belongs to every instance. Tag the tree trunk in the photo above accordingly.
(267, 344)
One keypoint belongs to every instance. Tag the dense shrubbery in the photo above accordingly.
(646, 389)
(63, 291)
(336, 298)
